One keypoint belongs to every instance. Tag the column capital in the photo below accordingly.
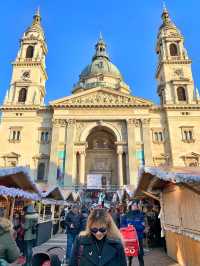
(59, 122)
(146, 121)
(133, 121)
(70, 122)
(82, 152)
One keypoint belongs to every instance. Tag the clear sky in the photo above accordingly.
(72, 27)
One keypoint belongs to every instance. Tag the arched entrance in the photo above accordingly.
(102, 152)
(101, 156)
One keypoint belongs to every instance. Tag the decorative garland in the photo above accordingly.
(18, 170)
(167, 175)
(16, 192)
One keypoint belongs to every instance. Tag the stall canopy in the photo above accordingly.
(152, 180)
(53, 196)
(17, 182)
(67, 194)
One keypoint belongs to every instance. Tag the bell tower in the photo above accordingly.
(29, 75)
(174, 74)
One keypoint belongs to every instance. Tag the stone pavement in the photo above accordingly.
(154, 257)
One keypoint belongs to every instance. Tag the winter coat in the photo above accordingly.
(84, 253)
(30, 226)
(75, 220)
(8, 247)
(135, 218)
(116, 218)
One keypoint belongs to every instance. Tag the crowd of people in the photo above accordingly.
(93, 234)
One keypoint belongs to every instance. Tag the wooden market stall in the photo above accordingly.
(178, 190)
(16, 187)
(50, 208)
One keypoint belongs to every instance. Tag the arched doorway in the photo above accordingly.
(101, 156)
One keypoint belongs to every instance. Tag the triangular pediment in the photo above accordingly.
(100, 97)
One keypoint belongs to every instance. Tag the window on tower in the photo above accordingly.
(15, 134)
(22, 95)
(158, 135)
(41, 171)
(173, 49)
(44, 135)
(181, 94)
(187, 134)
(29, 51)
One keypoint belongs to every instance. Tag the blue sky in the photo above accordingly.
(72, 27)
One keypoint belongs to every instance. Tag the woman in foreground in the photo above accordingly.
(100, 243)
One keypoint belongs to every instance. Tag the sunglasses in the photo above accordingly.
(102, 230)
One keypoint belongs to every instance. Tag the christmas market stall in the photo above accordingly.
(178, 190)
(16, 188)
(49, 210)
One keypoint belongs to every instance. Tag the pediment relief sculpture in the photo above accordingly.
(101, 98)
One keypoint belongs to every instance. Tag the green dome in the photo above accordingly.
(101, 65)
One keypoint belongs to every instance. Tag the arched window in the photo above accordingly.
(41, 171)
(181, 94)
(173, 49)
(29, 52)
(22, 95)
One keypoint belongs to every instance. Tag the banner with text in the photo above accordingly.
(94, 181)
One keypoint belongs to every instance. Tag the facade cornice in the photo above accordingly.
(26, 108)
(64, 106)
(175, 107)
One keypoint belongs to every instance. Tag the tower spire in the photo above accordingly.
(37, 17)
(165, 15)
(164, 5)
(100, 48)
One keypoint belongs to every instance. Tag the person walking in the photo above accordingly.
(136, 218)
(114, 212)
(9, 251)
(100, 244)
(30, 232)
(73, 227)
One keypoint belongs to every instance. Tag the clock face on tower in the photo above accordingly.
(26, 75)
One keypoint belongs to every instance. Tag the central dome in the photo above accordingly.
(101, 65)
(101, 72)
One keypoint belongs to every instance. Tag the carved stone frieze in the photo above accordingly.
(102, 98)
(64, 122)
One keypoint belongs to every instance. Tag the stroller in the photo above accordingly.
(54, 256)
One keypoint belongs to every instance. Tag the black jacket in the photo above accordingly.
(75, 220)
(84, 253)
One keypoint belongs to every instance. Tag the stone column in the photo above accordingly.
(53, 154)
(70, 156)
(82, 167)
(120, 168)
(147, 141)
(133, 166)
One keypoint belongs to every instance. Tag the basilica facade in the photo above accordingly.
(101, 131)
